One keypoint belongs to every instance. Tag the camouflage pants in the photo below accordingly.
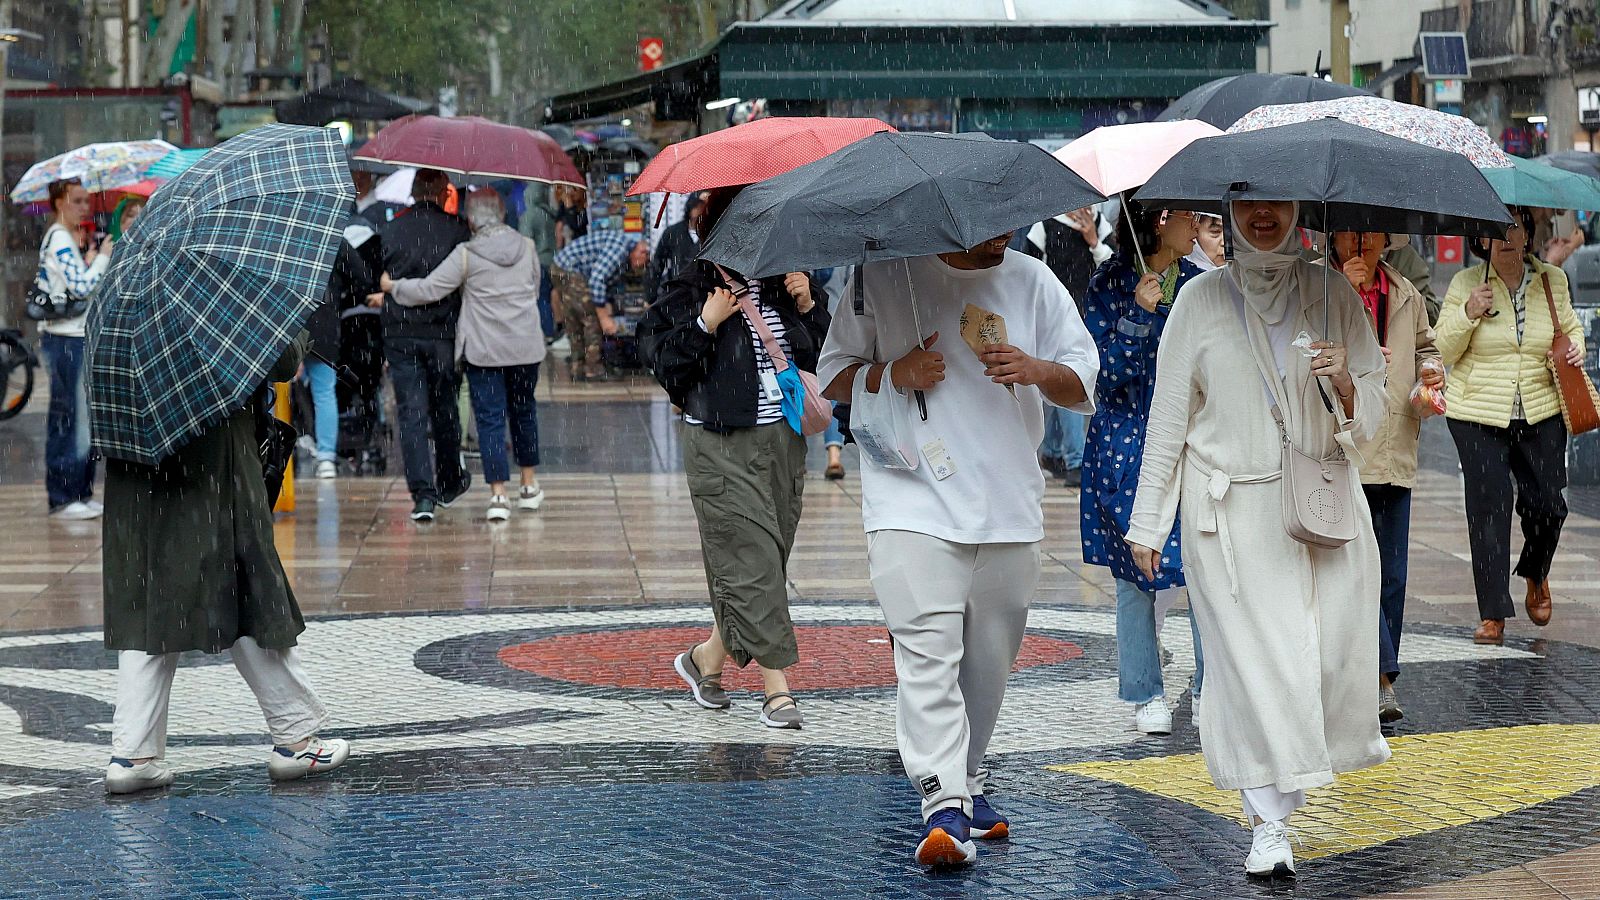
(583, 323)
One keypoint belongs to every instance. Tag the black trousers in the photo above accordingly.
(426, 385)
(1534, 458)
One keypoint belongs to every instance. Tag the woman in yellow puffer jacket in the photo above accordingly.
(1495, 331)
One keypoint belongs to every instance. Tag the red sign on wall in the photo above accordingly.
(651, 53)
(1449, 248)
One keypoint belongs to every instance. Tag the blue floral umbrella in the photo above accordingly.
(211, 284)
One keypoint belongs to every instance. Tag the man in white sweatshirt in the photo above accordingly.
(952, 545)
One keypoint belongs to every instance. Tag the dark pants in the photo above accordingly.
(547, 314)
(1391, 523)
(497, 391)
(68, 462)
(425, 389)
(1535, 457)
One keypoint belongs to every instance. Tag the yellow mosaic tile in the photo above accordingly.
(1433, 781)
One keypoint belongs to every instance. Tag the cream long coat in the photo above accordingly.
(1291, 692)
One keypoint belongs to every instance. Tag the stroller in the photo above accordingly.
(363, 430)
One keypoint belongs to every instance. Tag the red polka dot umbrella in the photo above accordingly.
(748, 153)
(471, 146)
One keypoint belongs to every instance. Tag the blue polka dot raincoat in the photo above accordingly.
(1127, 336)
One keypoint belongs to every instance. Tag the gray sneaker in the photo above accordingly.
(1388, 706)
(707, 689)
(781, 711)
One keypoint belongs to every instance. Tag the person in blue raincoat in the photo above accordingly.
(1126, 310)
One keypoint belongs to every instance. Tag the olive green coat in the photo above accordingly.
(189, 559)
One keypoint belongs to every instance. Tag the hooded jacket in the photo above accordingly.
(497, 277)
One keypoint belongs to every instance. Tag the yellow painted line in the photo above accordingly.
(1432, 782)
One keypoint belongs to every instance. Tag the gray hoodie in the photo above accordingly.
(498, 274)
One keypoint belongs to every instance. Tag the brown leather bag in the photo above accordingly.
(1580, 404)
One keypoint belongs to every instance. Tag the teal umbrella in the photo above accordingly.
(174, 163)
(1531, 183)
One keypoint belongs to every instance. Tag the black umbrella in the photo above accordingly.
(1580, 161)
(1226, 100)
(893, 195)
(347, 98)
(1352, 179)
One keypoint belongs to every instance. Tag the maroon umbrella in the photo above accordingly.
(471, 146)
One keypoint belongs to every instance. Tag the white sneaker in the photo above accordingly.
(1153, 717)
(327, 469)
(499, 509)
(1270, 853)
(76, 511)
(318, 756)
(532, 496)
(123, 777)
(96, 505)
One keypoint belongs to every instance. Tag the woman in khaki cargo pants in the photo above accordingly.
(745, 464)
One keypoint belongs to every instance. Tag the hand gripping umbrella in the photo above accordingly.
(211, 284)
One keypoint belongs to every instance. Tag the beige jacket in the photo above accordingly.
(1391, 454)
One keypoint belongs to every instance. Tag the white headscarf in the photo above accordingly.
(1267, 277)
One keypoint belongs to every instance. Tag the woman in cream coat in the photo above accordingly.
(1287, 628)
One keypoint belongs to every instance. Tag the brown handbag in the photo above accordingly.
(1580, 404)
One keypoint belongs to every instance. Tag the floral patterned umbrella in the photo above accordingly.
(100, 167)
(1414, 123)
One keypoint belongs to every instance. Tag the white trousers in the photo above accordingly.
(957, 613)
(144, 689)
(1270, 804)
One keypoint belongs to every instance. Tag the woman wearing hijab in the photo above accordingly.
(126, 213)
(1495, 332)
(1287, 628)
(1127, 313)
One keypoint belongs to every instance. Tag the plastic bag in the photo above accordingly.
(1428, 401)
(881, 424)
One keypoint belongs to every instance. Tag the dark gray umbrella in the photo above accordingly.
(891, 196)
(1226, 100)
(1580, 161)
(1352, 179)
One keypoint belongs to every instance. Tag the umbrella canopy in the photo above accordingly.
(1363, 180)
(893, 195)
(472, 146)
(748, 153)
(175, 163)
(347, 98)
(210, 285)
(1115, 158)
(1532, 183)
(563, 135)
(1226, 100)
(1580, 161)
(1441, 131)
(99, 167)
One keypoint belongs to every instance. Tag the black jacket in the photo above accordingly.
(674, 255)
(713, 376)
(413, 245)
(348, 285)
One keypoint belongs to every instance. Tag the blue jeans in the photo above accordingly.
(68, 461)
(547, 313)
(325, 404)
(834, 436)
(1065, 433)
(497, 391)
(1138, 658)
(1391, 524)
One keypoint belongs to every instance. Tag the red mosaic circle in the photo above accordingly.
(831, 656)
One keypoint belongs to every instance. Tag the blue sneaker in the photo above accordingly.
(988, 825)
(947, 840)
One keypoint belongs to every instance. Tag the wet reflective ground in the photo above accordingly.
(518, 731)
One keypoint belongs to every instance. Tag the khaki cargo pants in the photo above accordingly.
(583, 323)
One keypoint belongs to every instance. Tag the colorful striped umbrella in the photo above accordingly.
(175, 163)
(98, 167)
(1417, 124)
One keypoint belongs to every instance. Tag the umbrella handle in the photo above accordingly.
(340, 372)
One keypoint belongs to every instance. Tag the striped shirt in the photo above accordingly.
(767, 411)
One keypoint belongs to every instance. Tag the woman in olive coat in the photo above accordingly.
(190, 564)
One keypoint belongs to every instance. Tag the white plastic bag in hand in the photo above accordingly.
(881, 424)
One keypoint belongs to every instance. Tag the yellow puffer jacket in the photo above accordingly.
(1488, 365)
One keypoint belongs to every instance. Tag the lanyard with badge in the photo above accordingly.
(768, 373)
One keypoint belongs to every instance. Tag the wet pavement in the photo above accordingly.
(518, 730)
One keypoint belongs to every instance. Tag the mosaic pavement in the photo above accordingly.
(518, 732)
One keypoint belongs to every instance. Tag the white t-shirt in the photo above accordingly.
(996, 491)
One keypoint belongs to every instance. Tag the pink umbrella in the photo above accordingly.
(1116, 158)
(471, 146)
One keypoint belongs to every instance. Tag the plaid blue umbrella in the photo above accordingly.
(211, 284)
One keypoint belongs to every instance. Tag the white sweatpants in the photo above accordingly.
(957, 613)
(144, 689)
(1270, 804)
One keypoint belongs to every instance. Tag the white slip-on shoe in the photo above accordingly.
(1153, 717)
(499, 509)
(123, 777)
(318, 756)
(76, 511)
(531, 497)
(1270, 853)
